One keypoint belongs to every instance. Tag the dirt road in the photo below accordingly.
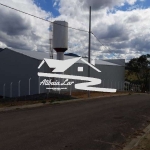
(98, 124)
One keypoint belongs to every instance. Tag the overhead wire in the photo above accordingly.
(101, 43)
(41, 18)
(54, 23)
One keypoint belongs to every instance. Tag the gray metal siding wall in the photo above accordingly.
(44, 69)
(111, 76)
(15, 67)
(73, 70)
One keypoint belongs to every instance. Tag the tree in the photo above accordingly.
(141, 68)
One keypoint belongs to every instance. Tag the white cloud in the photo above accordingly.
(118, 31)
(2, 45)
(131, 2)
(95, 4)
(21, 31)
(125, 33)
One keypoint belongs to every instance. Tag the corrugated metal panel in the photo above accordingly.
(111, 76)
(1, 49)
(37, 55)
(42, 55)
(15, 67)
(116, 61)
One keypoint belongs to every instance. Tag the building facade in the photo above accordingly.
(19, 68)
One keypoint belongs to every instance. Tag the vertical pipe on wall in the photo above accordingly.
(19, 88)
(89, 52)
(4, 91)
(39, 86)
(11, 89)
(29, 86)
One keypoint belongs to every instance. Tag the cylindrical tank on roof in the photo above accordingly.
(60, 36)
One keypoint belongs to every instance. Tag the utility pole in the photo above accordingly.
(51, 49)
(50, 40)
(89, 52)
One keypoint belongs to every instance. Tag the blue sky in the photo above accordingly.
(141, 4)
(124, 31)
(47, 5)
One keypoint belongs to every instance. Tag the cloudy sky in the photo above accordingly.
(121, 26)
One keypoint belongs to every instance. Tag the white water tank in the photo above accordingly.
(60, 36)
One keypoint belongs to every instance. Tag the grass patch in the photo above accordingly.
(43, 101)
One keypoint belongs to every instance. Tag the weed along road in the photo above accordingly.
(98, 124)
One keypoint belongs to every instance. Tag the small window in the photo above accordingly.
(80, 69)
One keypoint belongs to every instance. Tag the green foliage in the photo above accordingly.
(140, 68)
(43, 101)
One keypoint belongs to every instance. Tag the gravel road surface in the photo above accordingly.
(98, 124)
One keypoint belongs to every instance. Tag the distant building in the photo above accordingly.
(19, 68)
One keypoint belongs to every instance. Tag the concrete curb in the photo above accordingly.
(21, 107)
(84, 99)
(57, 102)
(135, 142)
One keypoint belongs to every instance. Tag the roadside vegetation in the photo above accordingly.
(34, 99)
(51, 98)
(138, 72)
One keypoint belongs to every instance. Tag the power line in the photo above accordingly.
(52, 22)
(41, 18)
(101, 42)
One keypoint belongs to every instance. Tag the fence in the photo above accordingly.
(106, 83)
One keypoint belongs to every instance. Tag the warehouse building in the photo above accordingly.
(19, 72)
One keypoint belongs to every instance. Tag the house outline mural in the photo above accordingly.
(60, 66)
(63, 65)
